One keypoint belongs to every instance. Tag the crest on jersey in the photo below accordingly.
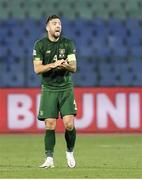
(61, 53)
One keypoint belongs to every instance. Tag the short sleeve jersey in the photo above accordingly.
(48, 52)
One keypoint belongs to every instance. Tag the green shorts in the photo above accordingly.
(54, 102)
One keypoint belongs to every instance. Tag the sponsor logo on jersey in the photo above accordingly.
(48, 51)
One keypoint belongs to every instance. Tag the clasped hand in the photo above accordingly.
(61, 63)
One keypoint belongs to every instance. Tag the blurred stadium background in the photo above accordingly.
(108, 38)
(107, 33)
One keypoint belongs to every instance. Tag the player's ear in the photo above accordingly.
(47, 28)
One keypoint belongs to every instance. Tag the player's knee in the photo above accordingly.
(69, 126)
(68, 122)
(50, 124)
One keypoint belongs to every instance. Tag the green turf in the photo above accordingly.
(97, 156)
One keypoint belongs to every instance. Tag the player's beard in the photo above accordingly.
(56, 35)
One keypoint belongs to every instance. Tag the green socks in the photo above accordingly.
(70, 136)
(49, 142)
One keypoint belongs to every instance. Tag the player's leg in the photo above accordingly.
(70, 137)
(70, 132)
(49, 112)
(49, 141)
(68, 110)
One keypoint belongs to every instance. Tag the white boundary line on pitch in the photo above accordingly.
(66, 179)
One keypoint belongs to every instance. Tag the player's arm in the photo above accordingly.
(70, 63)
(39, 68)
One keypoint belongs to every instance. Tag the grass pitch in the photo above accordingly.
(97, 156)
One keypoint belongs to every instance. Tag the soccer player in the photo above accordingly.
(55, 60)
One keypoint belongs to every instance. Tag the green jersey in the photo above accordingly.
(49, 52)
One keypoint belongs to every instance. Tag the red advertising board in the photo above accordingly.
(100, 110)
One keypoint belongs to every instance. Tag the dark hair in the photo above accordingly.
(52, 17)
